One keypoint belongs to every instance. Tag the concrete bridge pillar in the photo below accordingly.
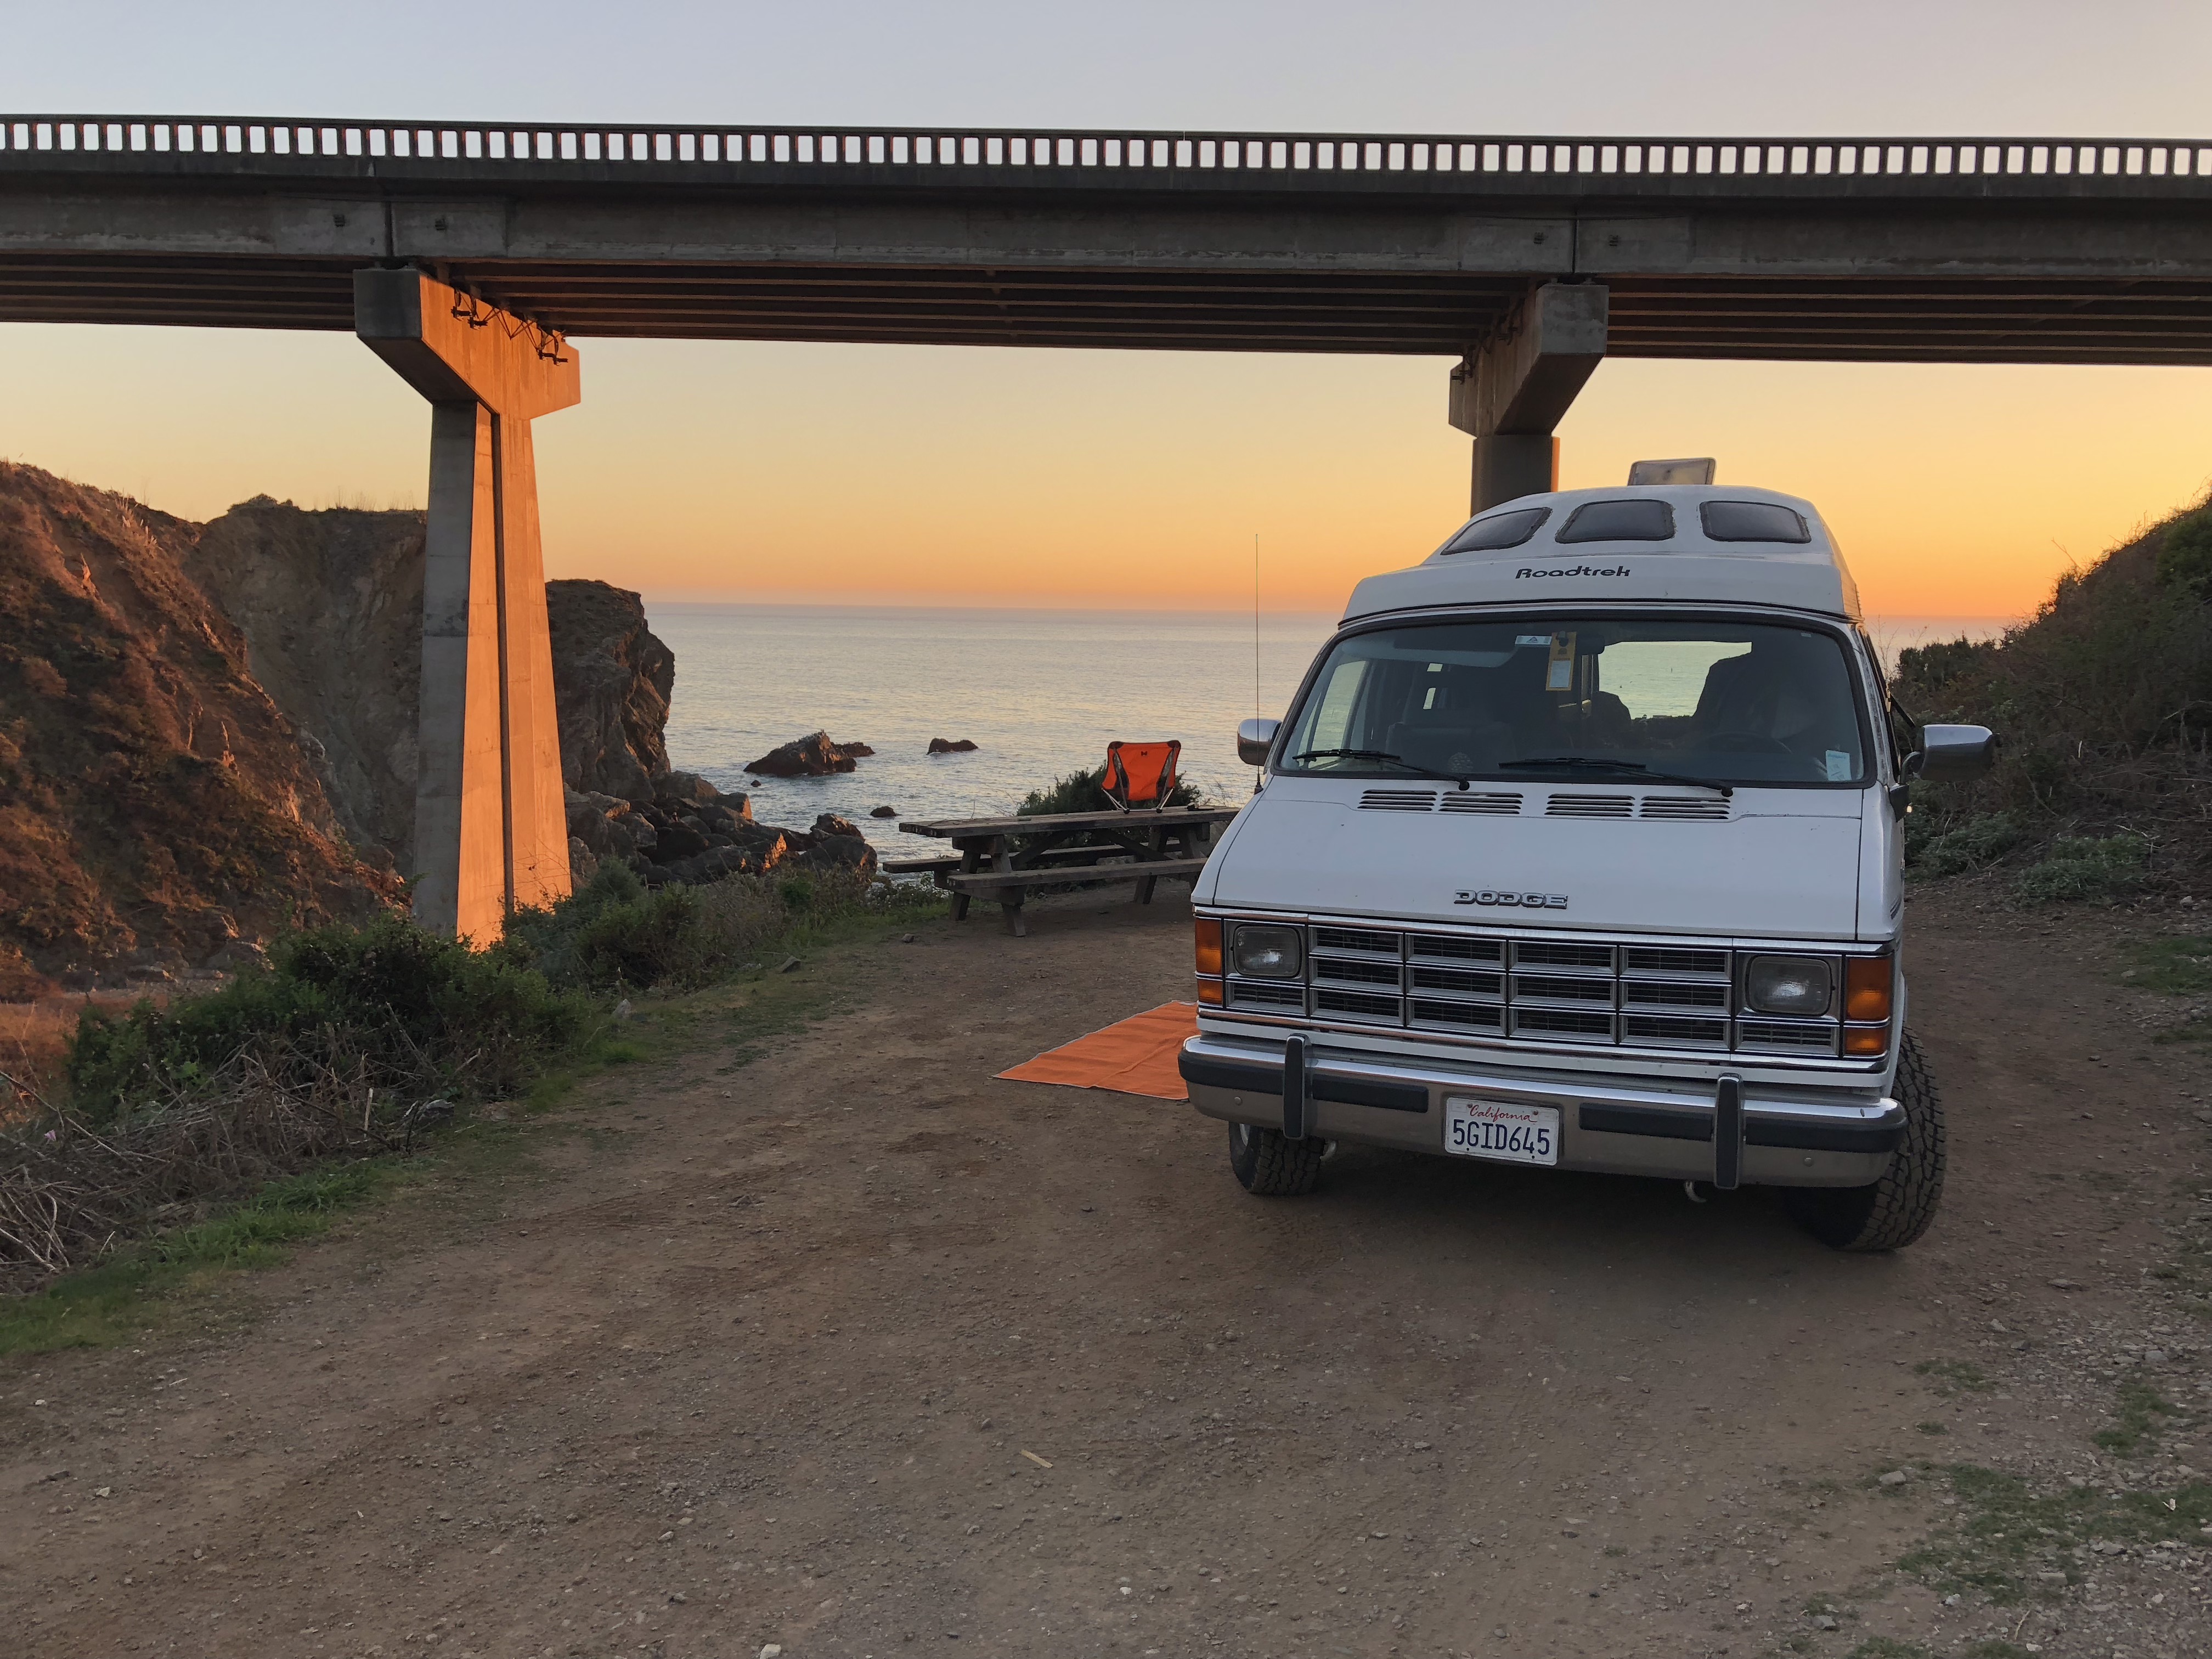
(1511, 391)
(491, 822)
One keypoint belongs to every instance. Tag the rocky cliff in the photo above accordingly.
(331, 607)
(613, 680)
(208, 732)
(156, 805)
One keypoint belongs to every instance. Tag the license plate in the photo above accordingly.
(1502, 1129)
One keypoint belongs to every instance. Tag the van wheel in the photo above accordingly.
(1269, 1163)
(1897, 1209)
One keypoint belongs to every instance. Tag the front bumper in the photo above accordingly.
(1621, 1125)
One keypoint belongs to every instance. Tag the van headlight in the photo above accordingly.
(1267, 952)
(1789, 985)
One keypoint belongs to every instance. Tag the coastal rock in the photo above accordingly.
(763, 851)
(830, 824)
(591, 819)
(156, 798)
(950, 746)
(612, 679)
(720, 820)
(684, 787)
(810, 757)
(839, 853)
(885, 813)
(679, 841)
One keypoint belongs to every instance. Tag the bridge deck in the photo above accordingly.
(1936, 249)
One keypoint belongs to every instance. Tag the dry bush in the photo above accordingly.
(69, 1191)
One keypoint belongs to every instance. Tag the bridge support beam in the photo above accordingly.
(1512, 391)
(490, 823)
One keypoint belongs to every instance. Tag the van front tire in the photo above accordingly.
(1270, 1163)
(1895, 1210)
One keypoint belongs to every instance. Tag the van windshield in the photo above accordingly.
(1566, 697)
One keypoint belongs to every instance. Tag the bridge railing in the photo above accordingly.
(927, 152)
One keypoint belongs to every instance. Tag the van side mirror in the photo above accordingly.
(1952, 754)
(1254, 738)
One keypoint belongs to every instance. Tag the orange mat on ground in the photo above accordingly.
(1133, 1056)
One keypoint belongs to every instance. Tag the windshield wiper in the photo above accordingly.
(1590, 763)
(1381, 755)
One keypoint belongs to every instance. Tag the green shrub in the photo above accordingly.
(610, 934)
(1085, 792)
(2079, 867)
(613, 935)
(2172, 964)
(2184, 558)
(2103, 698)
(390, 1003)
(1966, 845)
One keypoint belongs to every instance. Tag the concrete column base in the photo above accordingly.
(490, 819)
(1511, 464)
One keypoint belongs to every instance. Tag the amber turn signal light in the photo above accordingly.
(1866, 983)
(1866, 1042)
(1209, 992)
(1208, 931)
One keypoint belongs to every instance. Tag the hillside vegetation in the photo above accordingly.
(2102, 702)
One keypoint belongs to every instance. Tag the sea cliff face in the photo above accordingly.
(331, 607)
(157, 809)
(613, 680)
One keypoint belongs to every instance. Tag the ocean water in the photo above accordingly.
(1041, 693)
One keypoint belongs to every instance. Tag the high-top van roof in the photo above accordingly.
(1670, 543)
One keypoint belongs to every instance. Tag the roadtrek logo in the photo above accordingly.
(1574, 570)
(1524, 901)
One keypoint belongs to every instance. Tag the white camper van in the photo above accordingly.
(1581, 846)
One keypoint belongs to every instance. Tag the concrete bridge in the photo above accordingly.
(468, 254)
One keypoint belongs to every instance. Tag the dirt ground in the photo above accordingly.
(853, 1350)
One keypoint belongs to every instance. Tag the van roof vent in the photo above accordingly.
(1690, 470)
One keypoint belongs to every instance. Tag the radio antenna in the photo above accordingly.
(1258, 712)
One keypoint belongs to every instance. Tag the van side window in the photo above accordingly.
(1499, 530)
(1644, 520)
(1752, 521)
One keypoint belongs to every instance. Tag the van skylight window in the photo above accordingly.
(1619, 521)
(1752, 521)
(1498, 530)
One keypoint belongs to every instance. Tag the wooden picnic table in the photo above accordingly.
(1003, 858)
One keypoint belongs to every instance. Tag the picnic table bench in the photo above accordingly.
(1003, 859)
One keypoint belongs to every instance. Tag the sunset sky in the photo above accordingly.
(938, 475)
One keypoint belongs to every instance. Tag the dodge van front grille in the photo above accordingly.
(1547, 991)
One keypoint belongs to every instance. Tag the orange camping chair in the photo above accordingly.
(1140, 774)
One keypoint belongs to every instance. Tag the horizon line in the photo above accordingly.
(735, 603)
